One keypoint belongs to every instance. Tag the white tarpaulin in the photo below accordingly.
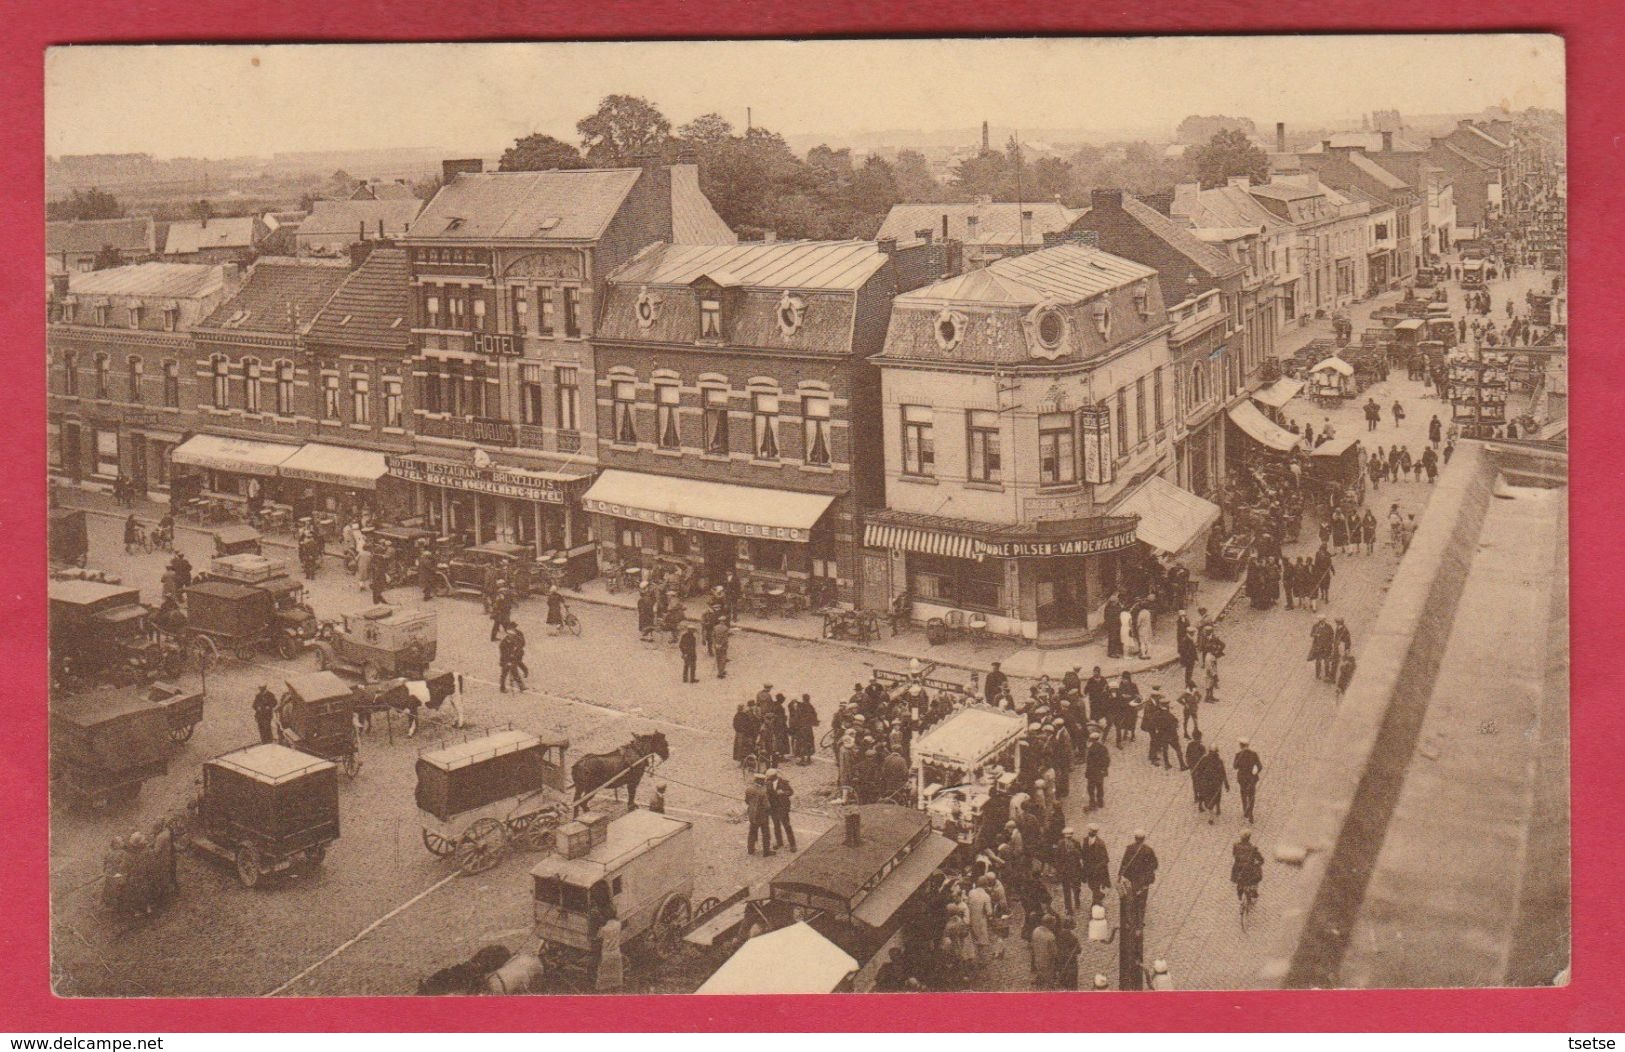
(970, 736)
(713, 507)
(1170, 518)
(339, 465)
(1336, 364)
(1247, 417)
(1279, 393)
(793, 960)
(239, 455)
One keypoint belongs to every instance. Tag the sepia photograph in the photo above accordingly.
(801, 517)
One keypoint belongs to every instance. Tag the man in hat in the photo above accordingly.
(995, 684)
(264, 710)
(1097, 762)
(1097, 864)
(1069, 870)
(1136, 873)
(719, 646)
(1248, 767)
(779, 793)
(688, 647)
(757, 812)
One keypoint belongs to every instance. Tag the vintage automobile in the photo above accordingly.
(380, 642)
(236, 540)
(466, 572)
(103, 746)
(316, 715)
(958, 763)
(100, 633)
(266, 809)
(397, 547)
(243, 618)
(70, 544)
(1440, 330)
(1427, 277)
(478, 797)
(1473, 274)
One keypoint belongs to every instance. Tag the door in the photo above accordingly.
(876, 588)
(721, 554)
(1062, 596)
(138, 461)
(73, 456)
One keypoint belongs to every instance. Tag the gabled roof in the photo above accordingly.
(829, 265)
(997, 223)
(1279, 190)
(1224, 206)
(1457, 151)
(195, 235)
(693, 220)
(166, 280)
(81, 236)
(1065, 273)
(280, 297)
(1377, 172)
(341, 218)
(1204, 256)
(1474, 129)
(1371, 141)
(370, 307)
(526, 206)
(383, 191)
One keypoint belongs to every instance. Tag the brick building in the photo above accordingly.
(119, 358)
(1395, 253)
(738, 412)
(1476, 163)
(75, 244)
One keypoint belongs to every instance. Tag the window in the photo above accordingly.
(521, 312)
(360, 399)
(220, 371)
(103, 372)
(251, 385)
(284, 388)
(710, 319)
(172, 318)
(330, 396)
(716, 421)
(772, 556)
(107, 458)
(1057, 449)
(982, 445)
(569, 397)
(544, 298)
(956, 582)
(393, 415)
(457, 307)
(1122, 420)
(1156, 398)
(172, 383)
(919, 455)
(479, 312)
(572, 312)
(1051, 328)
(1198, 392)
(133, 364)
(626, 431)
(135, 317)
(667, 432)
(815, 430)
(102, 312)
(70, 373)
(530, 394)
(1139, 410)
(765, 426)
(431, 310)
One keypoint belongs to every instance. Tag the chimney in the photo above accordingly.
(380, 228)
(985, 139)
(770, 236)
(1313, 178)
(1099, 199)
(1280, 136)
(854, 829)
(450, 169)
(945, 226)
(231, 275)
(1326, 146)
(59, 284)
(1387, 142)
(887, 246)
(361, 230)
(925, 234)
(359, 253)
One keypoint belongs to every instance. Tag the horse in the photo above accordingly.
(466, 977)
(593, 771)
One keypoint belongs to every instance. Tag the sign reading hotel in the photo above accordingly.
(1079, 546)
(496, 481)
(679, 521)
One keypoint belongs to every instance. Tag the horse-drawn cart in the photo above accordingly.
(958, 763)
(316, 715)
(100, 633)
(266, 809)
(379, 643)
(103, 746)
(478, 797)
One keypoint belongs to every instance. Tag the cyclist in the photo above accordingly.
(1246, 867)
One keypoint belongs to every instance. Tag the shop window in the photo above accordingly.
(673, 542)
(220, 370)
(70, 373)
(330, 396)
(251, 385)
(572, 312)
(1057, 449)
(103, 373)
(667, 433)
(172, 383)
(1139, 410)
(716, 421)
(568, 392)
(626, 430)
(815, 430)
(631, 539)
(544, 301)
(919, 454)
(982, 446)
(710, 319)
(1122, 420)
(765, 426)
(530, 394)
(393, 415)
(107, 461)
(160, 462)
(956, 582)
(360, 400)
(772, 556)
(284, 388)
(133, 364)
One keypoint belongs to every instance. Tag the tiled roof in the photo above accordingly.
(835, 265)
(1371, 141)
(345, 218)
(167, 280)
(997, 223)
(280, 297)
(693, 220)
(391, 192)
(1209, 259)
(1277, 190)
(1224, 206)
(1471, 158)
(1376, 171)
(1486, 136)
(526, 206)
(370, 307)
(1064, 273)
(79, 236)
(194, 235)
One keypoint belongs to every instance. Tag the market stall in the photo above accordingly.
(959, 762)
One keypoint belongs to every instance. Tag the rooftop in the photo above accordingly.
(281, 296)
(196, 235)
(1066, 273)
(809, 265)
(168, 280)
(370, 307)
(997, 223)
(80, 236)
(346, 218)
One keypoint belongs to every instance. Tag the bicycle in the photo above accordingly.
(1247, 894)
(568, 622)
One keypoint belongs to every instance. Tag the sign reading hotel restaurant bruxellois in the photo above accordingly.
(1078, 546)
(497, 481)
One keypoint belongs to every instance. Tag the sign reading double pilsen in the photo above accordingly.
(1075, 546)
(495, 480)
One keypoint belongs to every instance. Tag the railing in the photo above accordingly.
(494, 432)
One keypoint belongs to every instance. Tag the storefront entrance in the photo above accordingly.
(721, 554)
(73, 457)
(1063, 595)
(138, 461)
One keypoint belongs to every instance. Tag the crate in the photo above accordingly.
(246, 568)
(573, 839)
(597, 824)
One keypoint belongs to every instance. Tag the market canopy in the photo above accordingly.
(1409, 325)
(793, 960)
(240, 455)
(1335, 364)
(970, 737)
(713, 507)
(338, 465)
(1279, 393)
(908, 876)
(1258, 427)
(1170, 517)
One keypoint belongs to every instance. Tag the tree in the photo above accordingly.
(107, 258)
(622, 128)
(85, 204)
(1050, 179)
(912, 173)
(1194, 129)
(986, 174)
(202, 210)
(707, 130)
(1226, 154)
(538, 152)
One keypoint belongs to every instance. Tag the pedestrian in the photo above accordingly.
(1320, 648)
(1112, 615)
(1430, 464)
(646, 614)
(1435, 431)
(1399, 413)
(688, 647)
(758, 811)
(803, 729)
(1067, 950)
(1373, 414)
(1042, 946)
(1068, 857)
(426, 572)
(1449, 448)
(720, 646)
(1126, 621)
(979, 904)
(779, 794)
(1142, 630)
(996, 683)
(1210, 780)
(380, 581)
(1210, 667)
(1190, 703)
(1136, 873)
(732, 591)
(1368, 531)
(363, 559)
(1097, 763)
(1345, 674)
(1323, 573)
(513, 647)
(1248, 767)
(264, 712)
(501, 611)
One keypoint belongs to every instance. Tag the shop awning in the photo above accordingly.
(793, 960)
(1170, 518)
(896, 887)
(967, 539)
(1334, 364)
(1279, 393)
(969, 737)
(918, 539)
(337, 465)
(711, 507)
(1258, 427)
(240, 455)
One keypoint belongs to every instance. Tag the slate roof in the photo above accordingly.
(81, 236)
(280, 297)
(370, 307)
(385, 191)
(1207, 258)
(693, 220)
(1064, 273)
(1371, 141)
(1376, 171)
(1224, 206)
(341, 218)
(193, 235)
(164, 280)
(796, 265)
(526, 206)
(1276, 190)
(998, 223)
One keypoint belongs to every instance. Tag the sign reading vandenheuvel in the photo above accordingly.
(497, 481)
(1077, 546)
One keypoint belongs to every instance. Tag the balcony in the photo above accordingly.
(468, 429)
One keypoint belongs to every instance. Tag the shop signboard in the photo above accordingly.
(494, 480)
(1097, 444)
(679, 521)
(1072, 546)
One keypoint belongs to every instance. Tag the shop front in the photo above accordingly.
(482, 501)
(778, 542)
(339, 481)
(226, 467)
(1172, 525)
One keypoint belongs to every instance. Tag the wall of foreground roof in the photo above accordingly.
(1433, 848)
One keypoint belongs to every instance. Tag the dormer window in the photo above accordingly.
(790, 312)
(1103, 319)
(1142, 300)
(949, 329)
(710, 318)
(1051, 328)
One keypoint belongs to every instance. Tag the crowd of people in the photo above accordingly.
(138, 871)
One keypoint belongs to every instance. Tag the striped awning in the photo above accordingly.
(916, 539)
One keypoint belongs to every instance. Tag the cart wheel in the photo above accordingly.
(573, 623)
(438, 845)
(204, 651)
(666, 933)
(532, 832)
(314, 856)
(243, 652)
(481, 847)
(248, 865)
(182, 733)
(287, 647)
(707, 906)
(351, 764)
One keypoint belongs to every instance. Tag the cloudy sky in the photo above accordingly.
(214, 101)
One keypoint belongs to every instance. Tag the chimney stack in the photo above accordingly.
(450, 169)
(1106, 198)
(985, 140)
(887, 245)
(1280, 136)
(1387, 142)
(1326, 146)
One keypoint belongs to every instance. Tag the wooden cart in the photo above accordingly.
(478, 797)
(242, 619)
(266, 809)
(958, 763)
(100, 633)
(183, 711)
(103, 747)
(236, 540)
(380, 642)
(317, 715)
(70, 543)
